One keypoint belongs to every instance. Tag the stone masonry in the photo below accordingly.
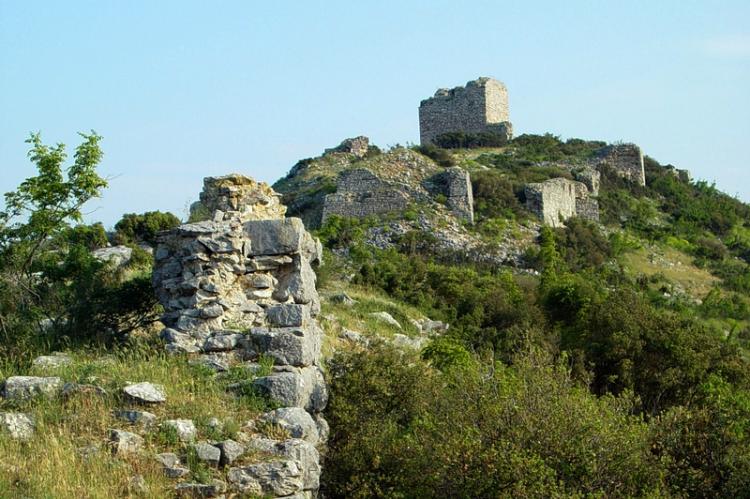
(481, 106)
(242, 285)
(361, 193)
(626, 160)
(558, 199)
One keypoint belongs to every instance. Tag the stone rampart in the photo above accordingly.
(626, 160)
(558, 199)
(236, 288)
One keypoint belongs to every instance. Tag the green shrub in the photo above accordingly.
(133, 228)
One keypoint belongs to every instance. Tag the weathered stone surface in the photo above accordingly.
(558, 199)
(17, 425)
(403, 341)
(143, 418)
(287, 346)
(73, 389)
(280, 478)
(176, 472)
(360, 193)
(430, 326)
(209, 454)
(296, 421)
(355, 337)
(168, 459)
(146, 392)
(288, 315)
(124, 442)
(301, 451)
(222, 342)
(460, 198)
(589, 177)
(230, 451)
(303, 387)
(25, 387)
(386, 318)
(116, 255)
(53, 361)
(358, 146)
(343, 299)
(200, 490)
(626, 160)
(275, 237)
(481, 106)
(236, 196)
(184, 428)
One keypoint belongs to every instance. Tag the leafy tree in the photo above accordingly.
(133, 228)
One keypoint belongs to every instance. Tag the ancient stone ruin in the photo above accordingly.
(358, 146)
(558, 199)
(626, 160)
(361, 193)
(479, 107)
(241, 285)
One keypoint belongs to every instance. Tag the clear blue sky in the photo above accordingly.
(185, 89)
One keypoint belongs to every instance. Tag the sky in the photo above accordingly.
(181, 90)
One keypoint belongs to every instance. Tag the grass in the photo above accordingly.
(51, 464)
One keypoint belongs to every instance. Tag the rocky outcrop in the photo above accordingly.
(241, 285)
(358, 146)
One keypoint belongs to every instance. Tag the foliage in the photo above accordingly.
(133, 228)
(438, 155)
(464, 140)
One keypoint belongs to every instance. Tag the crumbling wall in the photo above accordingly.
(358, 146)
(558, 199)
(237, 288)
(460, 198)
(360, 193)
(626, 160)
(480, 106)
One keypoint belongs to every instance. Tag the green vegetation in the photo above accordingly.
(133, 228)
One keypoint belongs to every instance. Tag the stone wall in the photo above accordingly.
(358, 146)
(558, 199)
(480, 106)
(235, 196)
(626, 160)
(234, 289)
(361, 193)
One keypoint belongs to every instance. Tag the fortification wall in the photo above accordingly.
(233, 290)
(480, 106)
(459, 193)
(558, 199)
(626, 160)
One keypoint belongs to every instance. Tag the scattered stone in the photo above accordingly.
(176, 472)
(143, 418)
(296, 421)
(168, 459)
(71, 389)
(355, 337)
(280, 478)
(179, 342)
(17, 425)
(386, 318)
(430, 326)
(403, 341)
(211, 362)
(230, 451)
(207, 453)
(26, 387)
(200, 490)
(146, 392)
(54, 361)
(185, 428)
(124, 442)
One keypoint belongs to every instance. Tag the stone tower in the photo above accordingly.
(480, 106)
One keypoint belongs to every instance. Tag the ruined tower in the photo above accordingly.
(479, 107)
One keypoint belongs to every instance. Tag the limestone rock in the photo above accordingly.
(288, 315)
(72, 389)
(207, 453)
(287, 346)
(168, 459)
(184, 428)
(280, 478)
(239, 197)
(222, 342)
(124, 442)
(146, 392)
(230, 451)
(275, 237)
(26, 387)
(200, 490)
(343, 299)
(304, 387)
(358, 146)
(17, 425)
(355, 337)
(176, 472)
(296, 421)
(403, 341)
(386, 318)
(116, 255)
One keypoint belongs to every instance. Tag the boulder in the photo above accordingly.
(296, 421)
(168, 459)
(287, 346)
(343, 299)
(176, 472)
(72, 389)
(116, 255)
(26, 387)
(288, 315)
(230, 451)
(148, 393)
(17, 425)
(124, 442)
(184, 428)
(275, 237)
(386, 318)
(403, 341)
(280, 478)
(209, 454)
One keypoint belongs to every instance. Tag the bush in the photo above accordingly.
(463, 140)
(440, 156)
(133, 229)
